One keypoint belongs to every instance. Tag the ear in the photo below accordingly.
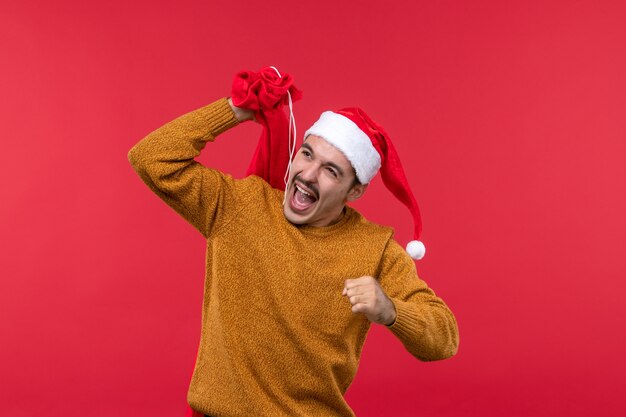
(356, 191)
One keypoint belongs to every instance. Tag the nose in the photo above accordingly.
(309, 173)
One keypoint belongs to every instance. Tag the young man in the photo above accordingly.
(294, 279)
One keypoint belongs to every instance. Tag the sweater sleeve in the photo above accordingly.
(164, 160)
(424, 323)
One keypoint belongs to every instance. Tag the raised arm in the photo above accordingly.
(424, 323)
(164, 160)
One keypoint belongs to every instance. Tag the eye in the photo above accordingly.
(332, 171)
(306, 153)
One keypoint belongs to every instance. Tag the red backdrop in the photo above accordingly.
(509, 119)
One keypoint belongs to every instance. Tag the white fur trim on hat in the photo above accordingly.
(345, 135)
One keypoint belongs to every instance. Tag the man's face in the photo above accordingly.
(320, 183)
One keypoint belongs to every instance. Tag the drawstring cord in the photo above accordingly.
(292, 138)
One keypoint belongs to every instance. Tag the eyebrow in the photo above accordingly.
(332, 164)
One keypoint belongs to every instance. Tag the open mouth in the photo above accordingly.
(302, 198)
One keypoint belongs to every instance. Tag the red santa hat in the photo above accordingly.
(369, 149)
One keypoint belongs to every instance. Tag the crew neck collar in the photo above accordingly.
(321, 230)
(347, 213)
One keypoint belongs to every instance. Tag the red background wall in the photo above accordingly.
(509, 118)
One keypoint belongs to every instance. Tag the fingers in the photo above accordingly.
(352, 288)
(366, 297)
(358, 308)
(355, 282)
(355, 299)
(362, 294)
(359, 295)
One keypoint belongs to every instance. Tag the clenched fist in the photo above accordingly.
(367, 297)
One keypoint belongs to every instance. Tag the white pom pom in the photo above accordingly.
(416, 249)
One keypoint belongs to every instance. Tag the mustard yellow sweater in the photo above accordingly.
(277, 337)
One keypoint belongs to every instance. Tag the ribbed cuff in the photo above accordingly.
(408, 323)
(219, 115)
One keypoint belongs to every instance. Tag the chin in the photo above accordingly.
(295, 218)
